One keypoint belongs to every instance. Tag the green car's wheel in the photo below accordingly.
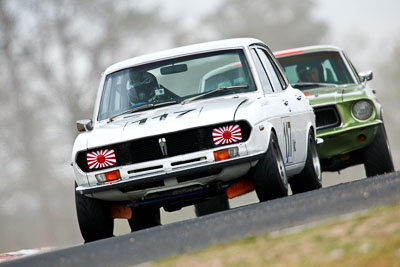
(377, 156)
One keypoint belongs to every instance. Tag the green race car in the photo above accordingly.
(348, 114)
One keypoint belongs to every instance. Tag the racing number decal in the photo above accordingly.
(287, 132)
(164, 116)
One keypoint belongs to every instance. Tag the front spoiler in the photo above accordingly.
(345, 129)
(121, 185)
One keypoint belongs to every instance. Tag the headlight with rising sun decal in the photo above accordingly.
(101, 158)
(227, 134)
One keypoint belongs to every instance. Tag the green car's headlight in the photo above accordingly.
(362, 109)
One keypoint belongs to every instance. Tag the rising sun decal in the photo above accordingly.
(101, 158)
(227, 134)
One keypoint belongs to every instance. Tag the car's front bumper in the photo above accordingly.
(346, 139)
(196, 169)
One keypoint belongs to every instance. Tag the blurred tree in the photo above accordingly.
(51, 56)
(281, 24)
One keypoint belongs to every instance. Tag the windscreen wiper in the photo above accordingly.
(142, 107)
(305, 84)
(220, 89)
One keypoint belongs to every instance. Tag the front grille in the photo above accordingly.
(327, 117)
(147, 149)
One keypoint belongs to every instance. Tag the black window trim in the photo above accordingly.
(253, 49)
(275, 65)
(352, 67)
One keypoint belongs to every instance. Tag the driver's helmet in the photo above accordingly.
(141, 86)
(310, 72)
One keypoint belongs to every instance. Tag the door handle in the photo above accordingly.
(299, 97)
(286, 102)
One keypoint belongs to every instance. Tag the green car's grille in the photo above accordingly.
(327, 117)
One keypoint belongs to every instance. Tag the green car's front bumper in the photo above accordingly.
(341, 141)
(346, 133)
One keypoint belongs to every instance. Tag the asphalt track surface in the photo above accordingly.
(260, 218)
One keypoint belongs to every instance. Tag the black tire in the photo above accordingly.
(377, 156)
(143, 218)
(94, 218)
(212, 205)
(310, 177)
(270, 179)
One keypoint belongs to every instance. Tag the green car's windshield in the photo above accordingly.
(315, 69)
(173, 81)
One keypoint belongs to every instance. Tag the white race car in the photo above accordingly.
(170, 130)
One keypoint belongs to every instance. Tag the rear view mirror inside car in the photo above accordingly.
(173, 69)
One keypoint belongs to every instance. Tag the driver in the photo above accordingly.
(141, 87)
(310, 72)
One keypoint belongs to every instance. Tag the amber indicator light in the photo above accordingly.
(222, 155)
(113, 175)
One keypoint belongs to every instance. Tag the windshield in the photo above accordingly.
(175, 80)
(316, 68)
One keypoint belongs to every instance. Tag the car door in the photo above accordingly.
(294, 123)
(278, 108)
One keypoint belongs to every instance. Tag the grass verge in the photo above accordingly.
(366, 239)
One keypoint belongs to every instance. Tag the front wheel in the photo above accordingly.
(310, 177)
(144, 217)
(377, 156)
(270, 179)
(94, 218)
(212, 205)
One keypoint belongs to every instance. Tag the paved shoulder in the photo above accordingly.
(175, 238)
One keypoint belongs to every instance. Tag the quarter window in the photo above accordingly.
(276, 83)
(352, 68)
(266, 85)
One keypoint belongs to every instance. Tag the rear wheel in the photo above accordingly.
(377, 156)
(310, 177)
(270, 179)
(94, 218)
(143, 218)
(212, 205)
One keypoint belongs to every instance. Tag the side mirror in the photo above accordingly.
(84, 125)
(366, 76)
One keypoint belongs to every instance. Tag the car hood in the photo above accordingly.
(334, 94)
(164, 120)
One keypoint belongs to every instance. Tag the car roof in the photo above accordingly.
(306, 49)
(182, 51)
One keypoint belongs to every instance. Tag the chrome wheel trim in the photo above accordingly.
(280, 165)
(315, 160)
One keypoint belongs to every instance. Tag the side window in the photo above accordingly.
(114, 97)
(266, 85)
(272, 72)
